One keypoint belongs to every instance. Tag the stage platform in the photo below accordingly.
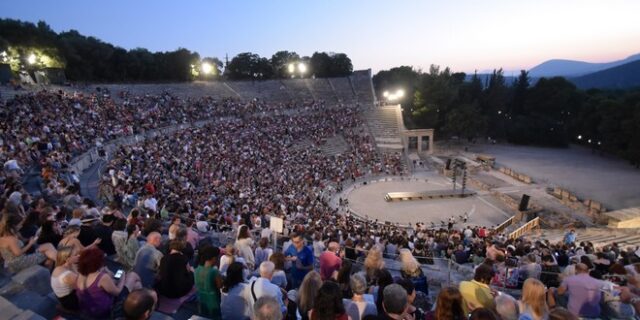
(427, 195)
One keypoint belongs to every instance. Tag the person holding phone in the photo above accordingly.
(97, 290)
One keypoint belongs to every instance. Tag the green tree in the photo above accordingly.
(280, 62)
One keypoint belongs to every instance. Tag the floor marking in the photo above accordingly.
(492, 206)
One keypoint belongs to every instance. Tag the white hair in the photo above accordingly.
(507, 307)
(266, 268)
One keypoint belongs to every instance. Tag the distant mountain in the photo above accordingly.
(572, 68)
(621, 77)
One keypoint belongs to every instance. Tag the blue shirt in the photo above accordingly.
(305, 256)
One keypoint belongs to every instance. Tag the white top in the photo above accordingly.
(152, 204)
(263, 287)
(59, 287)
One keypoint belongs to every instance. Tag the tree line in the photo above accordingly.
(550, 112)
(86, 58)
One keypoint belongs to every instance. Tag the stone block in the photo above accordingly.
(34, 278)
(7, 309)
(28, 315)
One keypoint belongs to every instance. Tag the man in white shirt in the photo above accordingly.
(263, 287)
(151, 203)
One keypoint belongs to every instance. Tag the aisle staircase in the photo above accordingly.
(384, 125)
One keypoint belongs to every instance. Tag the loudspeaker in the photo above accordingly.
(448, 167)
(524, 203)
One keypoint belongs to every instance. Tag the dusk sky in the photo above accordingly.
(464, 35)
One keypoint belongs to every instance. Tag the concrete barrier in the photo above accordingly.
(34, 278)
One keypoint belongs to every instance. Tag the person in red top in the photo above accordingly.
(330, 261)
(150, 188)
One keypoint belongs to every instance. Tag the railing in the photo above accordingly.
(533, 224)
(504, 225)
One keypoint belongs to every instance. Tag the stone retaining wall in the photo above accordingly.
(592, 208)
(518, 176)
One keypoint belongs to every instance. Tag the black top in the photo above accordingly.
(175, 280)
(104, 232)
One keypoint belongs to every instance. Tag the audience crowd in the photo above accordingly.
(187, 221)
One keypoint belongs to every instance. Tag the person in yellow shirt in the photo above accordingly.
(477, 293)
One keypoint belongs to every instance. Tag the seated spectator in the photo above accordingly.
(412, 270)
(328, 303)
(417, 312)
(477, 293)
(307, 293)
(395, 304)
(583, 292)
(533, 305)
(559, 313)
(330, 261)
(96, 289)
(14, 251)
(530, 268)
(384, 279)
(279, 277)
(448, 306)
(266, 308)
(192, 236)
(139, 304)
(208, 282)
(50, 233)
(70, 239)
(234, 305)
(103, 230)
(372, 264)
(550, 272)
(175, 276)
(64, 277)
(506, 307)
(483, 314)
(147, 261)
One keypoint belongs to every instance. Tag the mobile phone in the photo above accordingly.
(118, 274)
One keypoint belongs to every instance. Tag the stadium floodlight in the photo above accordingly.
(292, 68)
(579, 137)
(385, 94)
(400, 93)
(31, 59)
(302, 68)
(207, 68)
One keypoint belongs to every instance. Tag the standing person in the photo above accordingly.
(330, 261)
(234, 305)
(307, 293)
(570, 238)
(147, 261)
(328, 303)
(263, 287)
(244, 247)
(175, 274)
(208, 282)
(583, 291)
(301, 257)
